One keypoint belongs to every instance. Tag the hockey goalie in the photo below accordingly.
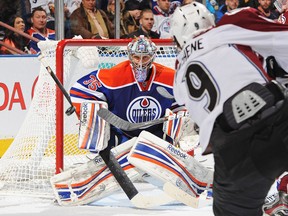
(161, 154)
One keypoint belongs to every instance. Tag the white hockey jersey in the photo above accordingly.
(217, 64)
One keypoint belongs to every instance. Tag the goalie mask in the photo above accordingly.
(190, 20)
(141, 53)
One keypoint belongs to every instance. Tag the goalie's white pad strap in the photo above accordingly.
(94, 132)
(170, 164)
(93, 180)
(146, 201)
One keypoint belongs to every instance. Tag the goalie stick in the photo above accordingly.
(164, 93)
(71, 109)
(125, 125)
(138, 199)
(125, 183)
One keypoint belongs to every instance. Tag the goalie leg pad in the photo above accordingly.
(170, 164)
(93, 180)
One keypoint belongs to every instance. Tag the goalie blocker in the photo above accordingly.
(94, 132)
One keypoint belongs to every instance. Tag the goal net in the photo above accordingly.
(47, 140)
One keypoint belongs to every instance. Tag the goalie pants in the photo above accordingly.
(247, 161)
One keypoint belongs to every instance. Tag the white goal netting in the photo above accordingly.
(28, 164)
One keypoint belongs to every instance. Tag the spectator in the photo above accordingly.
(48, 6)
(265, 7)
(14, 39)
(283, 9)
(248, 3)
(212, 6)
(70, 6)
(173, 3)
(25, 12)
(101, 4)
(39, 29)
(9, 9)
(162, 12)
(90, 22)
(185, 2)
(227, 7)
(131, 16)
(146, 23)
(110, 11)
(145, 4)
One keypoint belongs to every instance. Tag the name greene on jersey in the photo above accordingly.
(190, 48)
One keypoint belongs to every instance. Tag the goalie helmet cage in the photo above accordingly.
(47, 140)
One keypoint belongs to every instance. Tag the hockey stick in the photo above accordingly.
(164, 93)
(125, 125)
(71, 109)
(138, 199)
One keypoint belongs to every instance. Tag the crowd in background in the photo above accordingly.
(96, 18)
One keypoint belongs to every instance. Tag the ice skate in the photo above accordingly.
(279, 207)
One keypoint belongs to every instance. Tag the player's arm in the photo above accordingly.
(86, 89)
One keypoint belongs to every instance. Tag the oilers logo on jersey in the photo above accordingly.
(143, 109)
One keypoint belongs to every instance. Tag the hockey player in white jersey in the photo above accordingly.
(242, 115)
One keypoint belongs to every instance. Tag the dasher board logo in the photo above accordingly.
(143, 109)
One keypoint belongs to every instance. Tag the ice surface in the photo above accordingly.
(115, 205)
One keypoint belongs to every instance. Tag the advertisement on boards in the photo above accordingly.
(18, 77)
